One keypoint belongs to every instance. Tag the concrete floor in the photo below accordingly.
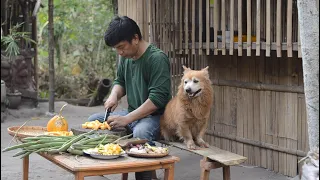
(40, 169)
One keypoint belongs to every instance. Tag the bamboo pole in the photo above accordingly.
(193, 37)
(258, 28)
(258, 86)
(289, 29)
(299, 43)
(208, 26)
(51, 57)
(215, 27)
(257, 143)
(176, 21)
(180, 29)
(223, 26)
(279, 29)
(231, 26)
(239, 28)
(249, 27)
(200, 27)
(186, 33)
(268, 28)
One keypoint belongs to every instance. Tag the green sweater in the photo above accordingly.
(146, 77)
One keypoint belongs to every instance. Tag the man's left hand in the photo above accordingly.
(117, 121)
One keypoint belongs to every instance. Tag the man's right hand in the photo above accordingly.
(111, 102)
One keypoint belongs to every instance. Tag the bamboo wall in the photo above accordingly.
(259, 109)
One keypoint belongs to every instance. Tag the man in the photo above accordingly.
(143, 75)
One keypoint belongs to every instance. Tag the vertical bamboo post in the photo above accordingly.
(180, 29)
(208, 26)
(299, 43)
(193, 36)
(289, 28)
(268, 28)
(223, 26)
(258, 28)
(231, 26)
(176, 20)
(186, 33)
(248, 27)
(239, 28)
(51, 57)
(200, 27)
(215, 27)
(279, 29)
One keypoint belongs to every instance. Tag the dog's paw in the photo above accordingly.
(191, 145)
(202, 143)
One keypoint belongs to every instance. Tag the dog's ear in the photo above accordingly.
(186, 69)
(205, 71)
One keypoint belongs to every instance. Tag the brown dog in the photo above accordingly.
(187, 114)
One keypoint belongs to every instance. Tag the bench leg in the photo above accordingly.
(204, 174)
(169, 173)
(79, 176)
(124, 176)
(25, 167)
(226, 173)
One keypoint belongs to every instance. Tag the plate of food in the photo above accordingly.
(108, 151)
(147, 151)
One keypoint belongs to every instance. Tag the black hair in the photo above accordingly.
(121, 29)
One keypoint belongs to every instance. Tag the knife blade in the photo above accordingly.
(106, 114)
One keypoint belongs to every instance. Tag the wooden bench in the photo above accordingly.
(213, 158)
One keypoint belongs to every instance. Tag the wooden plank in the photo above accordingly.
(208, 26)
(258, 28)
(216, 154)
(263, 107)
(279, 29)
(193, 35)
(186, 33)
(282, 120)
(239, 29)
(249, 27)
(240, 119)
(223, 26)
(231, 26)
(215, 27)
(289, 29)
(200, 27)
(268, 28)
(299, 43)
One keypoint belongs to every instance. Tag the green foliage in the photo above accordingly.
(81, 55)
(10, 42)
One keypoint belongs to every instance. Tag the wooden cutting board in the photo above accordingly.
(79, 130)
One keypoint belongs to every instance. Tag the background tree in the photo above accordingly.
(308, 14)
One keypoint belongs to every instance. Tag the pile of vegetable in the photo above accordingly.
(63, 144)
(96, 125)
(108, 149)
(146, 148)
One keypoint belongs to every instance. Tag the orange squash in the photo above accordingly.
(58, 123)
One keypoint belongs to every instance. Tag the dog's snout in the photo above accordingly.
(188, 90)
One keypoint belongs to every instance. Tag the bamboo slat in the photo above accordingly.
(262, 127)
(186, 29)
(299, 43)
(215, 27)
(208, 26)
(258, 33)
(200, 27)
(282, 99)
(231, 26)
(193, 31)
(289, 29)
(248, 27)
(176, 23)
(223, 26)
(279, 29)
(268, 28)
(180, 25)
(239, 29)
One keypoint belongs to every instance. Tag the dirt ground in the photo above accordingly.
(40, 169)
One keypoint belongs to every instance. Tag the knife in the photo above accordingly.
(106, 114)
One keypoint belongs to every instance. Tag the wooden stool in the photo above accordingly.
(206, 165)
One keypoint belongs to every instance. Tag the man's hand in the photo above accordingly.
(117, 121)
(111, 102)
